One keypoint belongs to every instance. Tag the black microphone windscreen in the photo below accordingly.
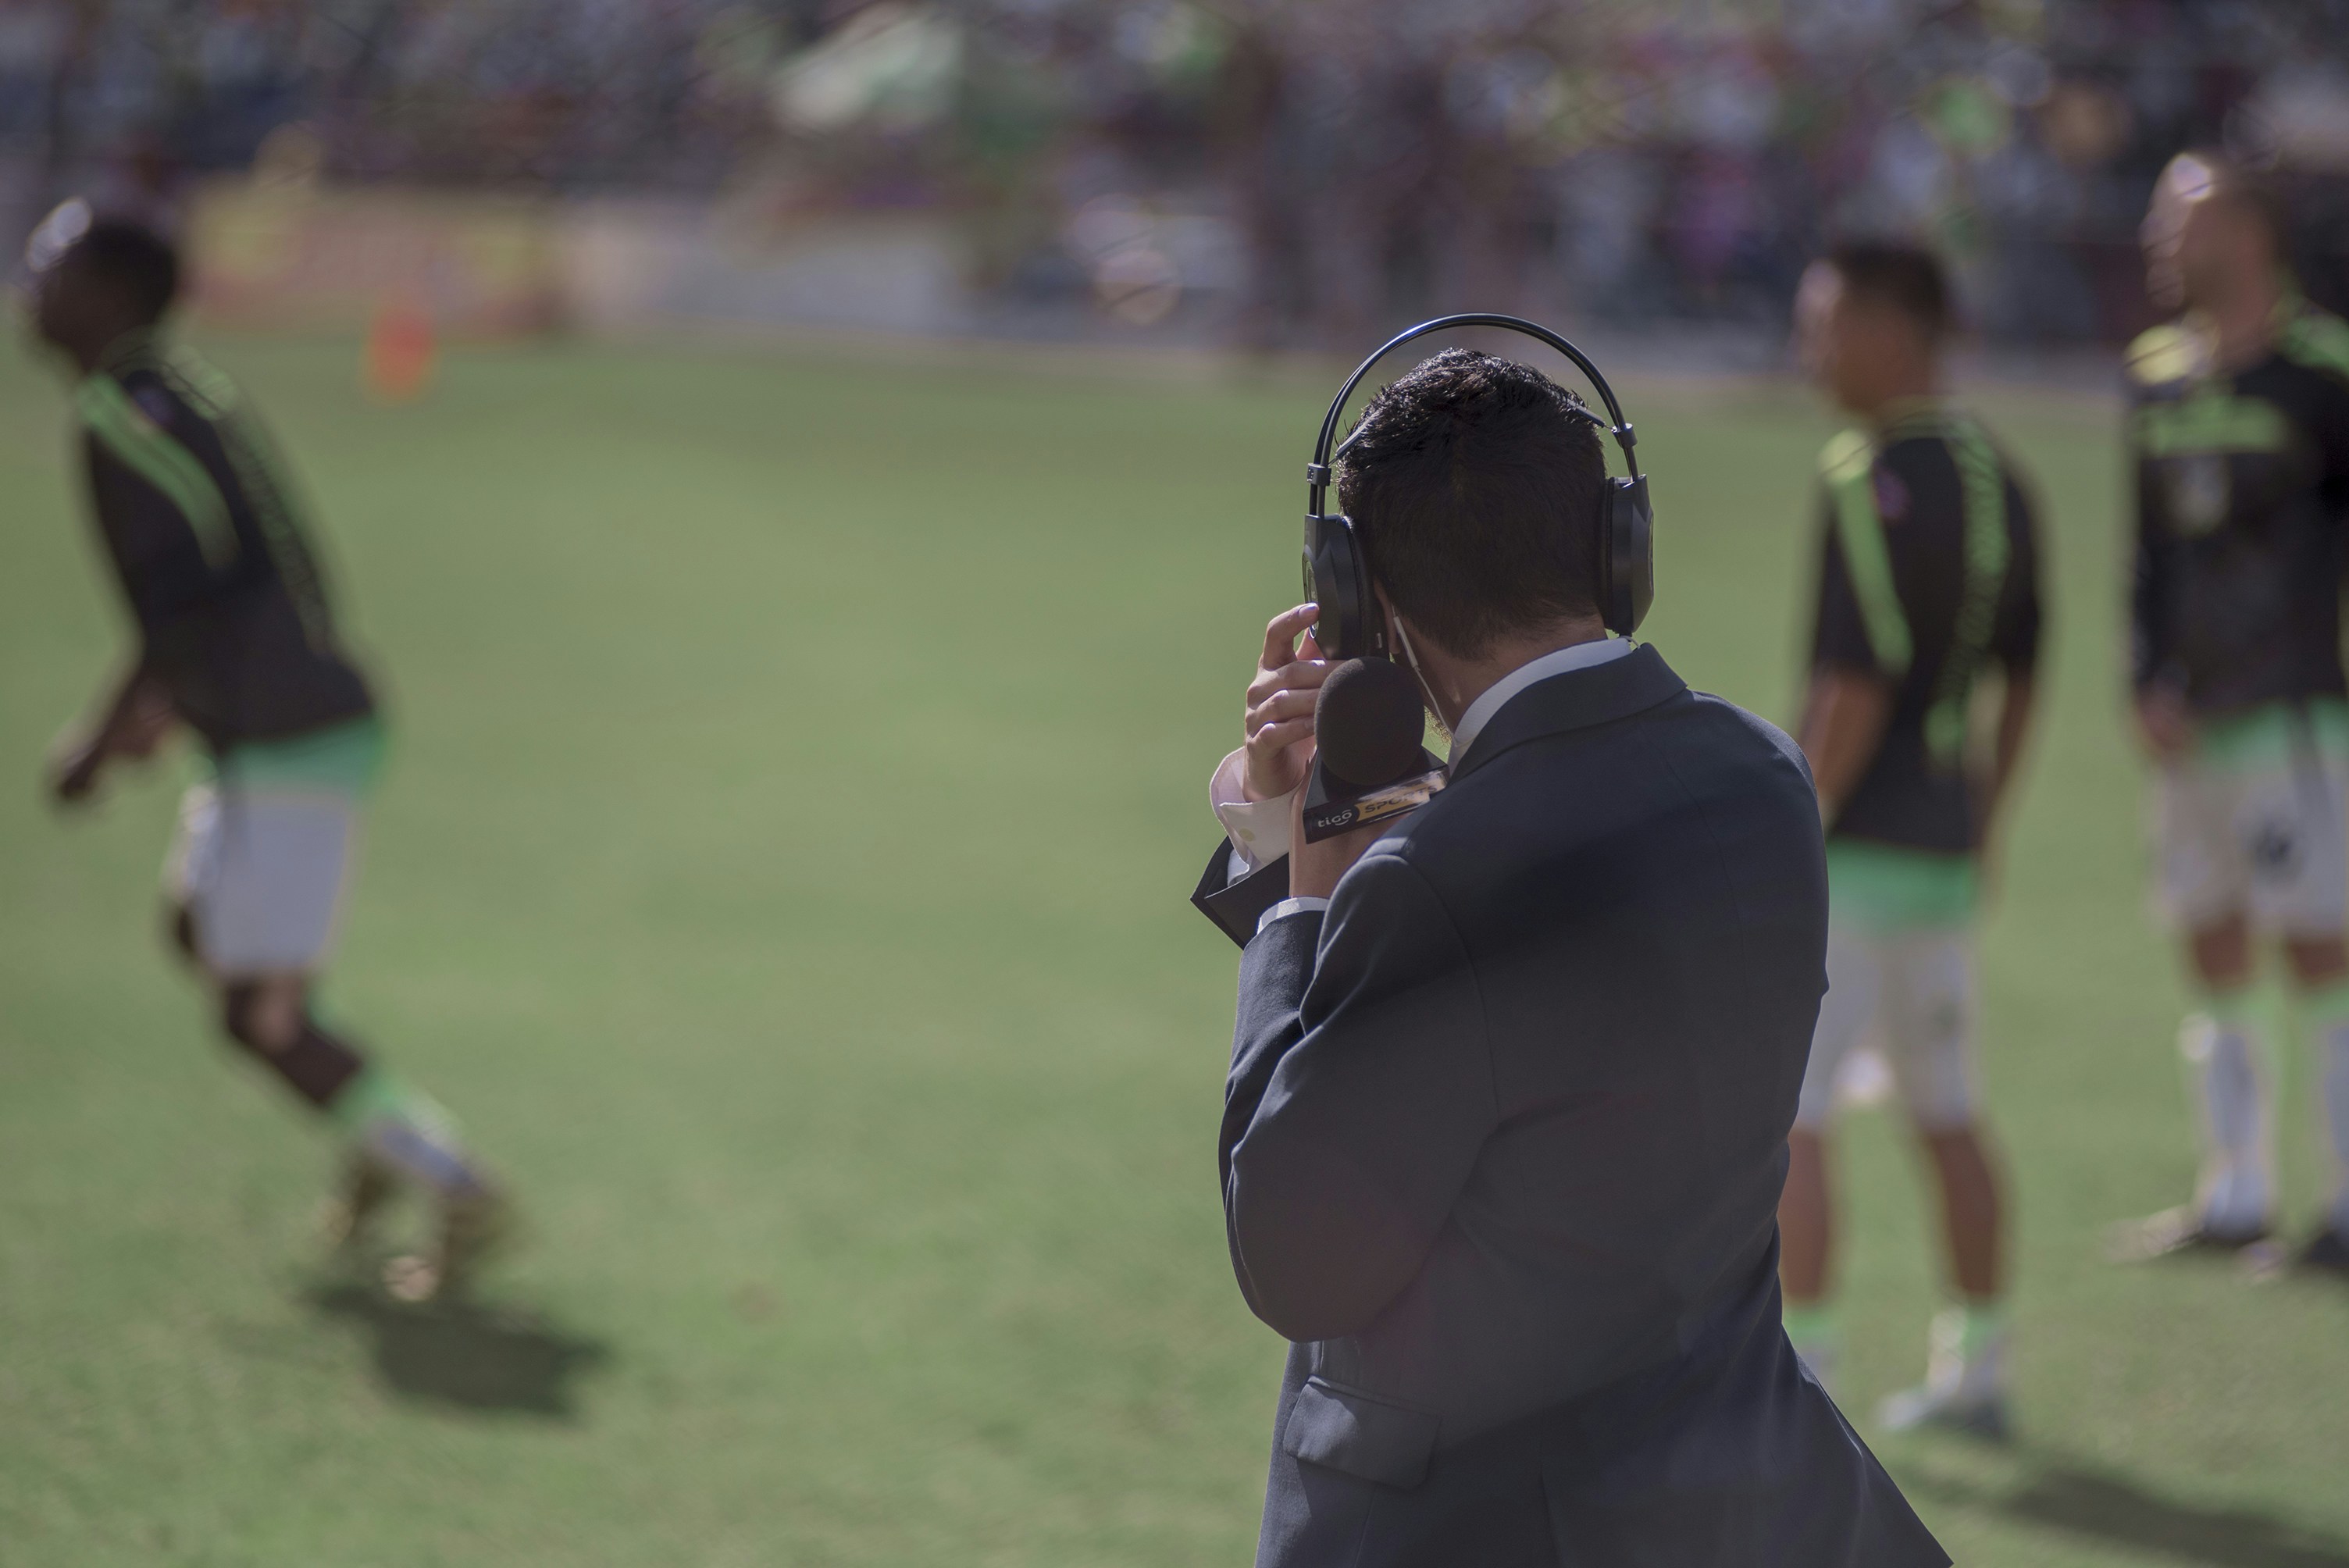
(1367, 722)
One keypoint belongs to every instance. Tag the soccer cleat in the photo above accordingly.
(348, 1214)
(474, 1226)
(2327, 1252)
(1979, 1414)
(2171, 1232)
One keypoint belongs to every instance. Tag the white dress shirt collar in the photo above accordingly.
(1580, 656)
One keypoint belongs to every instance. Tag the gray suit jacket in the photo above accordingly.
(1502, 1150)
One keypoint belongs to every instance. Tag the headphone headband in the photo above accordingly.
(1317, 474)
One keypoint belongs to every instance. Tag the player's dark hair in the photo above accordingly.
(131, 259)
(1907, 277)
(1475, 487)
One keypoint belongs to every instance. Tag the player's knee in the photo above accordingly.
(2316, 960)
(1936, 1078)
(262, 1017)
(1947, 1126)
(1942, 1109)
(2221, 952)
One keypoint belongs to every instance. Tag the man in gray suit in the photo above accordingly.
(1506, 1122)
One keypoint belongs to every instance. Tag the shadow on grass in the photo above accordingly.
(2060, 1495)
(467, 1354)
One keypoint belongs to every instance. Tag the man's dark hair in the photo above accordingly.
(131, 259)
(1475, 483)
(1907, 277)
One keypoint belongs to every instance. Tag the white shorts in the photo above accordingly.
(262, 872)
(2264, 839)
(1910, 994)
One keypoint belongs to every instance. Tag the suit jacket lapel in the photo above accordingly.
(1574, 700)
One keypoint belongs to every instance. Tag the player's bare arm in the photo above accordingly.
(2015, 709)
(134, 721)
(2017, 701)
(1844, 717)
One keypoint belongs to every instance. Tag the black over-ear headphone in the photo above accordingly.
(1337, 574)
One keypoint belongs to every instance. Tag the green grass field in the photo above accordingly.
(799, 769)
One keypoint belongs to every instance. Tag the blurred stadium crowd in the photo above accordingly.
(1278, 171)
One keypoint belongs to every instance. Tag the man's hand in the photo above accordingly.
(1314, 869)
(2164, 726)
(1280, 710)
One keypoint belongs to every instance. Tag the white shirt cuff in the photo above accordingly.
(1289, 906)
(1258, 829)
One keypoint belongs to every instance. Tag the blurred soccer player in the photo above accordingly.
(1929, 575)
(235, 641)
(2240, 435)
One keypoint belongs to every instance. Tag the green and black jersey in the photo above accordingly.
(1928, 571)
(2242, 482)
(208, 544)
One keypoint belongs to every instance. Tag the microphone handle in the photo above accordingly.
(1331, 809)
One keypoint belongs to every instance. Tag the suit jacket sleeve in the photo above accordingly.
(1237, 906)
(1359, 1096)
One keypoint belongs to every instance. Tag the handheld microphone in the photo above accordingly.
(1368, 763)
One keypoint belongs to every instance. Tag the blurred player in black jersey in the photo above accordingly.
(235, 641)
(2239, 430)
(1928, 579)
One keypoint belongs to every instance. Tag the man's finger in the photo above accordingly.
(1301, 676)
(1279, 706)
(1281, 636)
(1275, 738)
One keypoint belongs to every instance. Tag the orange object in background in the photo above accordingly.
(402, 350)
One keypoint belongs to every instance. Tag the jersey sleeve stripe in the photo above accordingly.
(147, 451)
(1987, 553)
(1849, 467)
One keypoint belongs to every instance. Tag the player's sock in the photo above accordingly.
(1968, 1349)
(1811, 1330)
(1965, 1374)
(2326, 1013)
(408, 1131)
(2222, 1046)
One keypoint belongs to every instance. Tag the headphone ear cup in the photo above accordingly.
(1627, 556)
(1338, 579)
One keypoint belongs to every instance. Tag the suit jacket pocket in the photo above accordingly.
(1360, 1434)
